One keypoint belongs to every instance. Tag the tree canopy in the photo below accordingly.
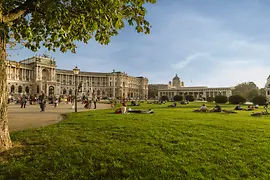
(58, 23)
(246, 89)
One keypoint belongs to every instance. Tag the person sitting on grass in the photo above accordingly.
(238, 107)
(184, 102)
(173, 104)
(121, 110)
(217, 108)
(203, 108)
(134, 103)
(124, 108)
(250, 108)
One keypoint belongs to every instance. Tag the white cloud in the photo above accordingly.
(194, 57)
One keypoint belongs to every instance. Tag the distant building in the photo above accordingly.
(176, 87)
(37, 74)
(267, 88)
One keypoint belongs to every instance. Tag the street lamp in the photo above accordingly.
(76, 71)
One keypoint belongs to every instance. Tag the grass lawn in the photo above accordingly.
(172, 143)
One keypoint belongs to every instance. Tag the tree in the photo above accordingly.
(252, 93)
(189, 98)
(260, 100)
(262, 92)
(243, 89)
(221, 99)
(59, 24)
(236, 99)
(152, 93)
(210, 99)
(164, 98)
(178, 98)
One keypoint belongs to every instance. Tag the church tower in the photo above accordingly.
(176, 82)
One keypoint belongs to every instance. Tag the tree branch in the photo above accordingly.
(22, 10)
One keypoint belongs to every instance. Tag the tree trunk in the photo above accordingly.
(5, 142)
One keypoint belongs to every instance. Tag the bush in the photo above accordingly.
(189, 98)
(221, 99)
(210, 99)
(260, 100)
(178, 98)
(164, 98)
(236, 99)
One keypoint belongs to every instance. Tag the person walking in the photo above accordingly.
(94, 99)
(23, 101)
(95, 103)
(55, 102)
(42, 102)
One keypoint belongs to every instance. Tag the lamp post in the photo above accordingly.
(76, 71)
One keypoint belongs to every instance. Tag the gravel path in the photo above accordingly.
(31, 117)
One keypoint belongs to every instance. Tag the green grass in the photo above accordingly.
(172, 143)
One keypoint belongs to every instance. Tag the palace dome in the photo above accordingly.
(176, 77)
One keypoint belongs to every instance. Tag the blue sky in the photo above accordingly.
(206, 42)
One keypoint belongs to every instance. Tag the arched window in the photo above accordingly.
(64, 91)
(98, 92)
(20, 89)
(12, 89)
(70, 91)
(45, 75)
(27, 89)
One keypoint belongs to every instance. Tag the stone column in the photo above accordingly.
(23, 74)
(36, 72)
(40, 73)
(15, 73)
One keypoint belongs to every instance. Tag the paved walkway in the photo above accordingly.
(31, 117)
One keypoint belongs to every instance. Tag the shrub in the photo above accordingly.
(189, 98)
(221, 99)
(260, 100)
(178, 98)
(164, 98)
(236, 99)
(210, 99)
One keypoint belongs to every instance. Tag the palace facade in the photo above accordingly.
(176, 87)
(39, 74)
